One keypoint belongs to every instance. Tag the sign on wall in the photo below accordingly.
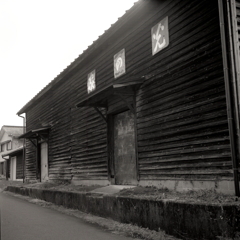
(160, 36)
(91, 82)
(119, 64)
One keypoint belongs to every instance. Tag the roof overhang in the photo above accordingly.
(36, 133)
(13, 152)
(100, 98)
(7, 141)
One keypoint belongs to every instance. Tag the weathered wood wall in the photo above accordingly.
(19, 167)
(30, 161)
(89, 145)
(181, 108)
(181, 111)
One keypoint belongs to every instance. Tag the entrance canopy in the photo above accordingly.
(36, 133)
(99, 98)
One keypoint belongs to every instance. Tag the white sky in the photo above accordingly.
(40, 38)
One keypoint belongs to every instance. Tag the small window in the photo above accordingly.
(2, 147)
(9, 145)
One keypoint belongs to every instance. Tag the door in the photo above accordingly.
(44, 162)
(13, 165)
(124, 149)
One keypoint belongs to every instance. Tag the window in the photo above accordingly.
(2, 147)
(9, 145)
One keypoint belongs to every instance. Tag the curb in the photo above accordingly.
(177, 218)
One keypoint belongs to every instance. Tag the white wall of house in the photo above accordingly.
(4, 145)
(13, 167)
(9, 141)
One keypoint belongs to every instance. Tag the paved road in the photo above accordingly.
(22, 220)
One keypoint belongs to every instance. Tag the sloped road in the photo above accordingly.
(23, 220)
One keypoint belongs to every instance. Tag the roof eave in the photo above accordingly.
(96, 44)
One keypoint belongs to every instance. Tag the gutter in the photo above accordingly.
(231, 91)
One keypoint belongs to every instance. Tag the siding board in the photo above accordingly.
(181, 116)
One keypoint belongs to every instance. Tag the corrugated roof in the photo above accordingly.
(78, 60)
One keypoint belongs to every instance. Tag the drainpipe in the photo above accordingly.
(229, 100)
(24, 145)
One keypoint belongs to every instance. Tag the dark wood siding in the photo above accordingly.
(182, 128)
(30, 163)
(181, 108)
(77, 139)
(89, 145)
(19, 167)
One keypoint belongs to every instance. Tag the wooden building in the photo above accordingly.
(153, 101)
(11, 152)
(14, 164)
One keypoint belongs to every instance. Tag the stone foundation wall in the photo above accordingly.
(178, 218)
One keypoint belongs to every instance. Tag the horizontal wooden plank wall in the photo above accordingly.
(77, 139)
(89, 145)
(53, 110)
(30, 163)
(181, 108)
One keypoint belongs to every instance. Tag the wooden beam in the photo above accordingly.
(130, 106)
(43, 137)
(32, 142)
(100, 113)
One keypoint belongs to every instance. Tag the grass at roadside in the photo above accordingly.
(152, 193)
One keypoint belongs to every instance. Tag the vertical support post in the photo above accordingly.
(37, 159)
(110, 143)
(136, 135)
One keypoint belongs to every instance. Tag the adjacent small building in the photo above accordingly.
(154, 101)
(11, 155)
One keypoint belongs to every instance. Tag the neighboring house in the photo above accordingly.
(11, 155)
(153, 101)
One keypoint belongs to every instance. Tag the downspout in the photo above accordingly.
(24, 145)
(227, 79)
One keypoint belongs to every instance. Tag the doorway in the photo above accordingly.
(44, 161)
(124, 149)
(13, 167)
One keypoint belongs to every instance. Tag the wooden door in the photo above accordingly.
(124, 149)
(44, 162)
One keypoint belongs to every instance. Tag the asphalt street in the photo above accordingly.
(23, 220)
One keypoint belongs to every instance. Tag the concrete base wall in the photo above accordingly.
(220, 186)
(91, 182)
(180, 219)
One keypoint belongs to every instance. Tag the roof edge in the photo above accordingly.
(95, 45)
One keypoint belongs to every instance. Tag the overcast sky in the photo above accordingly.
(40, 38)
